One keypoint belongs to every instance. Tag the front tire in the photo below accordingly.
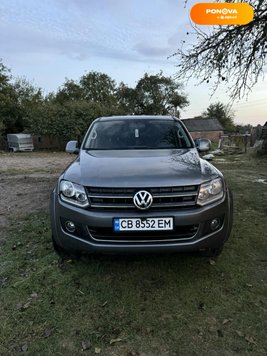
(62, 252)
(216, 251)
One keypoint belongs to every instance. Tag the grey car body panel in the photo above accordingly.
(105, 219)
(140, 169)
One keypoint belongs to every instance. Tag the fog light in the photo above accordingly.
(70, 226)
(214, 224)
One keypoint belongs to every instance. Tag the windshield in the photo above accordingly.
(136, 134)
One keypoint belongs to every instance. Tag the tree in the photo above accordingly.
(4, 83)
(28, 97)
(126, 98)
(93, 86)
(235, 55)
(68, 113)
(243, 129)
(222, 113)
(17, 101)
(98, 87)
(159, 95)
(10, 119)
(70, 91)
(4, 75)
(26, 92)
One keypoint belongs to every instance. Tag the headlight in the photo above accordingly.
(210, 192)
(73, 193)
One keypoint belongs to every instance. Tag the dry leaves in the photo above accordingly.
(24, 348)
(249, 339)
(226, 321)
(114, 341)
(86, 345)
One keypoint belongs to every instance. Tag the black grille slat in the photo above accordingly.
(153, 190)
(122, 198)
(107, 234)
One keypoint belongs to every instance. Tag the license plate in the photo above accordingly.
(146, 224)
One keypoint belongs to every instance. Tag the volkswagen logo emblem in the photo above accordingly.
(143, 200)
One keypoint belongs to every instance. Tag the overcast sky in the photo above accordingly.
(50, 40)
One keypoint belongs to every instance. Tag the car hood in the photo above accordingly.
(140, 168)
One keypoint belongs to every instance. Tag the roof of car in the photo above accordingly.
(200, 124)
(134, 117)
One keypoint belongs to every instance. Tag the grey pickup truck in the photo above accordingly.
(139, 185)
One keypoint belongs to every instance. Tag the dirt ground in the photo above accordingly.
(26, 180)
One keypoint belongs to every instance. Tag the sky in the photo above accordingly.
(47, 41)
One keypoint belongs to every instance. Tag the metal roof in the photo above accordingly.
(196, 125)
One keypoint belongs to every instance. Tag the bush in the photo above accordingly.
(67, 121)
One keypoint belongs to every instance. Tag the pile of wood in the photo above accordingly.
(234, 144)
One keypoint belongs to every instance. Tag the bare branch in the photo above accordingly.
(233, 55)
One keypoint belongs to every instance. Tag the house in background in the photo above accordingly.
(204, 128)
(264, 131)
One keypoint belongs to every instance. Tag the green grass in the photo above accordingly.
(150, 305)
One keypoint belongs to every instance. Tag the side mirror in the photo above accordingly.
(203, 144)
(72, 147)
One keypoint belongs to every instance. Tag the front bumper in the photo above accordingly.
(85, 242)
